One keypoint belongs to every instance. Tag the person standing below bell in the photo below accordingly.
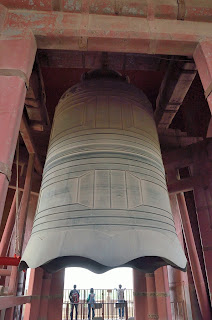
(91, 301)
(120, 296)
(74, 300)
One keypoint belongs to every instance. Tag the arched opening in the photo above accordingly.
(105, 287)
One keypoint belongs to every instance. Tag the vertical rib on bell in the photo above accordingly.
(103, 201)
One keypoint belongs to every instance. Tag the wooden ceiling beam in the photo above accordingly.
(12, 301)
(182, 185)
(174, 87)
(42, 95)
(183, 157)
(67, 31)
(191, 10)
(93, 60)
(178, 158)
(35, 101)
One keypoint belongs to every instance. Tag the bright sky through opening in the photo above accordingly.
(85, 279)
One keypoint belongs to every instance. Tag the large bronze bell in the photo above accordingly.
(103, 201)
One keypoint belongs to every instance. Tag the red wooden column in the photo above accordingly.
(22, 220)
(203, 203)
(178, 280)
(45, 295)
(16, 62)
(162, 294)
(195, 309)
(5, 240)
(151, 296)
(25, 201)
(140, 295)
(35, 285)
(22, 276)
(30, 218)
(182, 300)
(55, 304)
(203, 60)
(194, 261)
(12, 289)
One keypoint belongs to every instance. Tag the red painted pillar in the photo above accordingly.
(196, 313)
(5, 240)
(45, 295)
(183, 302)
(194, 260)
(30, 218)
(22, 276)
(13, 282)
(203, 203)
(151, 296)
(203, 60)
(55, 304)
(35, 285)
(162, 294)
(16, 62)
(25, 201)
(140, 295)
(178, 280)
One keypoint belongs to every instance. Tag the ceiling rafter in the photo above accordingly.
(35, 102)
(174, 87)
(93, 60)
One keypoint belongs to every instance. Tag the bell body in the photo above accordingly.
(103, 201)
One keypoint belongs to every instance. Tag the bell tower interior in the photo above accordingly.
(106, 152)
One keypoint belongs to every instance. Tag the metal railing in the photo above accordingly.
(103, 295)
(107, 298)
(103, 311)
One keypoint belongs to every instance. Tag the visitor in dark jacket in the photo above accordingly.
(74, 300)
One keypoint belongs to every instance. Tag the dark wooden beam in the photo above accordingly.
(178, 158)
(182, 185)
(26, 135)
(22, 189)
(42, 95)
(183, 157)
(174, 87)
(11, 301)
(93, 60)
(35, 102)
